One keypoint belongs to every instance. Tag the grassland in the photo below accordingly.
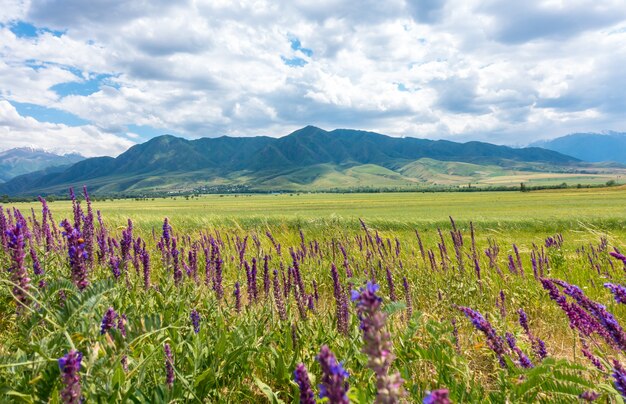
(246, 350)
(545, 211)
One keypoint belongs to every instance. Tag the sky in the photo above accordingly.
(98, 76)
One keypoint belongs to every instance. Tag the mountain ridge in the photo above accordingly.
(23, 160)
(261, 161)
(591, 147)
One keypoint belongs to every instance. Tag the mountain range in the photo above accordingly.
(307, 159)
(19, 161)
(592, 147)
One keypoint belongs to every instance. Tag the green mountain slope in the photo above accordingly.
(309, 158)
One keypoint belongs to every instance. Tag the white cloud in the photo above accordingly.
(19, 131)
(458, 69)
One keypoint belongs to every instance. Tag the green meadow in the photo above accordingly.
(258, 328)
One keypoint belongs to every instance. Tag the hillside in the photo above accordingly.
(591, 147)
(307, 159)
(19, 161)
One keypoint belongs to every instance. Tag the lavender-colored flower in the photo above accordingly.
(407, 297)
(178, 273)
(70, 366)
(237, 294)
(302, 379)
(524, 361)
(88, 228)
(334, 385)
(495, 342)
(114, 264)
(619, 376)
(167, 233)
(16, 244)
(440, 396)
(578, 317)
(145, 260)
(589, 396)
(589, 355)
(341, 309)
(539, 347)
(36, 264)
(121, 324)
(619, 292)
(195, 320)
(377, 343)
(278, 298)
(608, 321)
(169, 366)
(266, 276)
(77, 254)
(421, 245)
(108, 320)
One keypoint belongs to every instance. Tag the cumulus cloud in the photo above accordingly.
(459, 69)
(20, 131)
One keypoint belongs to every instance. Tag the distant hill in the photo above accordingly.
(309, 158)
(592, 147)
(19, 161)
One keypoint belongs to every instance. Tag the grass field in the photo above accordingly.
(253, 330)
(549, 211)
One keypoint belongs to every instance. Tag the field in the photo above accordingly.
(233, 294)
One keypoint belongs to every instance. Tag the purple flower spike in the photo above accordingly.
(195, 321)
(70, 366)
(437, 397)
(589, 396)
(77, 254)
(302, 379)
(169, 366)
(108, 320)
(495, 342)
(334, 385)
(619, 292)
(377, 343)
(16, 236)
(619, 375)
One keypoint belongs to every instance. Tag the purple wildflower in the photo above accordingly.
(407, 297)
(77, 254)
(145, 260)
(114, 264)
(302, 379)
(121, 324)
(195, 320)
(619, 292)
(589, 396)
(437, 397)
(377, 343)
(237, 294)
(16, 244)
(70, 366)
(539, 347)
(619, 376)
(495, 342)
(524, 361)
(334, 385)
(108, 320)
(278, 298)
(169, 366)
(36, 264)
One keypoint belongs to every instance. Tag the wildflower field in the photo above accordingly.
(434, 298)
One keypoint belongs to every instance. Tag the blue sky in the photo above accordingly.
(97, 77)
